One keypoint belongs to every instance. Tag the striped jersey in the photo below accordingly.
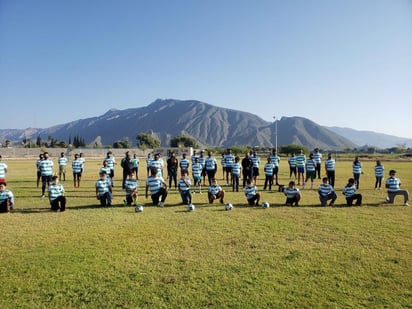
(349, 191)
(256, 161)
(250, 191)
(110, 162)
(357, 167)
(63, 161)
(184, 184)
(6, 195)
(310, 165)
(184, 164)
(202, 160)
(3, 170)
(154, 184)
(229, 159)
(268, 168)
(292, 161)
(330, 165)
(300, 160)
(214, 189)
(291, 192)
(197, 169)
(77, 166)
(158, 164)
(55, 191)
(46, 167)
(210, 163)
(317, 156)
(379, 170)
(236, 167)
(130, 185)
(393, 184)
(275, 159)
(325, 189)
(38, 164)
(103, 186)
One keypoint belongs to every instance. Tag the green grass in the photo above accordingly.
(279, 257)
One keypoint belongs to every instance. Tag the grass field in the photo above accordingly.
(281, 257)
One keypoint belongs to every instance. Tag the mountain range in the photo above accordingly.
(209, 125)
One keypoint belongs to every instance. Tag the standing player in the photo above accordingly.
(255, 169)
(111, 162)
(135, 164)
(41, 157)
(3, 169)
(211, 167)
(357, 171)
(77, 167)
(236, 169)
(300, 163)
(184, 163)
(62, 166)
(229, 158)
(46, 171)
(292, 165)
(317, 156)
(268, 169)
(330, 169)
(197, 174)
(310, 171)
(275, 159)
(379, 172)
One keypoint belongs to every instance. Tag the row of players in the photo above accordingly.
(209, 168)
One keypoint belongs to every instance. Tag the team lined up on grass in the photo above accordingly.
(202, 167)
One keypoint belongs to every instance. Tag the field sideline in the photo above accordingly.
(280, 257)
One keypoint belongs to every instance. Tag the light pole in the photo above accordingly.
(276, 133)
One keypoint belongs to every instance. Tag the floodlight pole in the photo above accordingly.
(276, 133)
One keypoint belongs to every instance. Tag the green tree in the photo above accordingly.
(121, 144)
(289, 149)
(147, 140)
(183, 141)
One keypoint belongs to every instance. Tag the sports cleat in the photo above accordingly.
(161, 204)
(406, 204)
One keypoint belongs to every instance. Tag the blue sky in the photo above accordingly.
(344, 63)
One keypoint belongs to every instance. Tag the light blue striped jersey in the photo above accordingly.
(268, 168)
(77, 165)
(63, 161)
(135, 162)
(300, 160)
(292, 161)
(110, 162)
(214, 189)
(325, 189)
(255, 160)
(55, 191)
(317, 156)
(357, 168)
(330, 165)
(310, 165)
(379, 170)
(291, 192)
(349, 191)
(197, 169)
(46, 167)
(3, 170)
(154, 184)
(210, 163)
(393, 184)
(184, 184)
(229, 159)
(6, 195)
(103, 186)
(250, 191)
(130, 185)
(275, 159)
(184, 164)
(236, 167)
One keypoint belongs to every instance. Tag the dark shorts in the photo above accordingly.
(255, 171)
(46, 178)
